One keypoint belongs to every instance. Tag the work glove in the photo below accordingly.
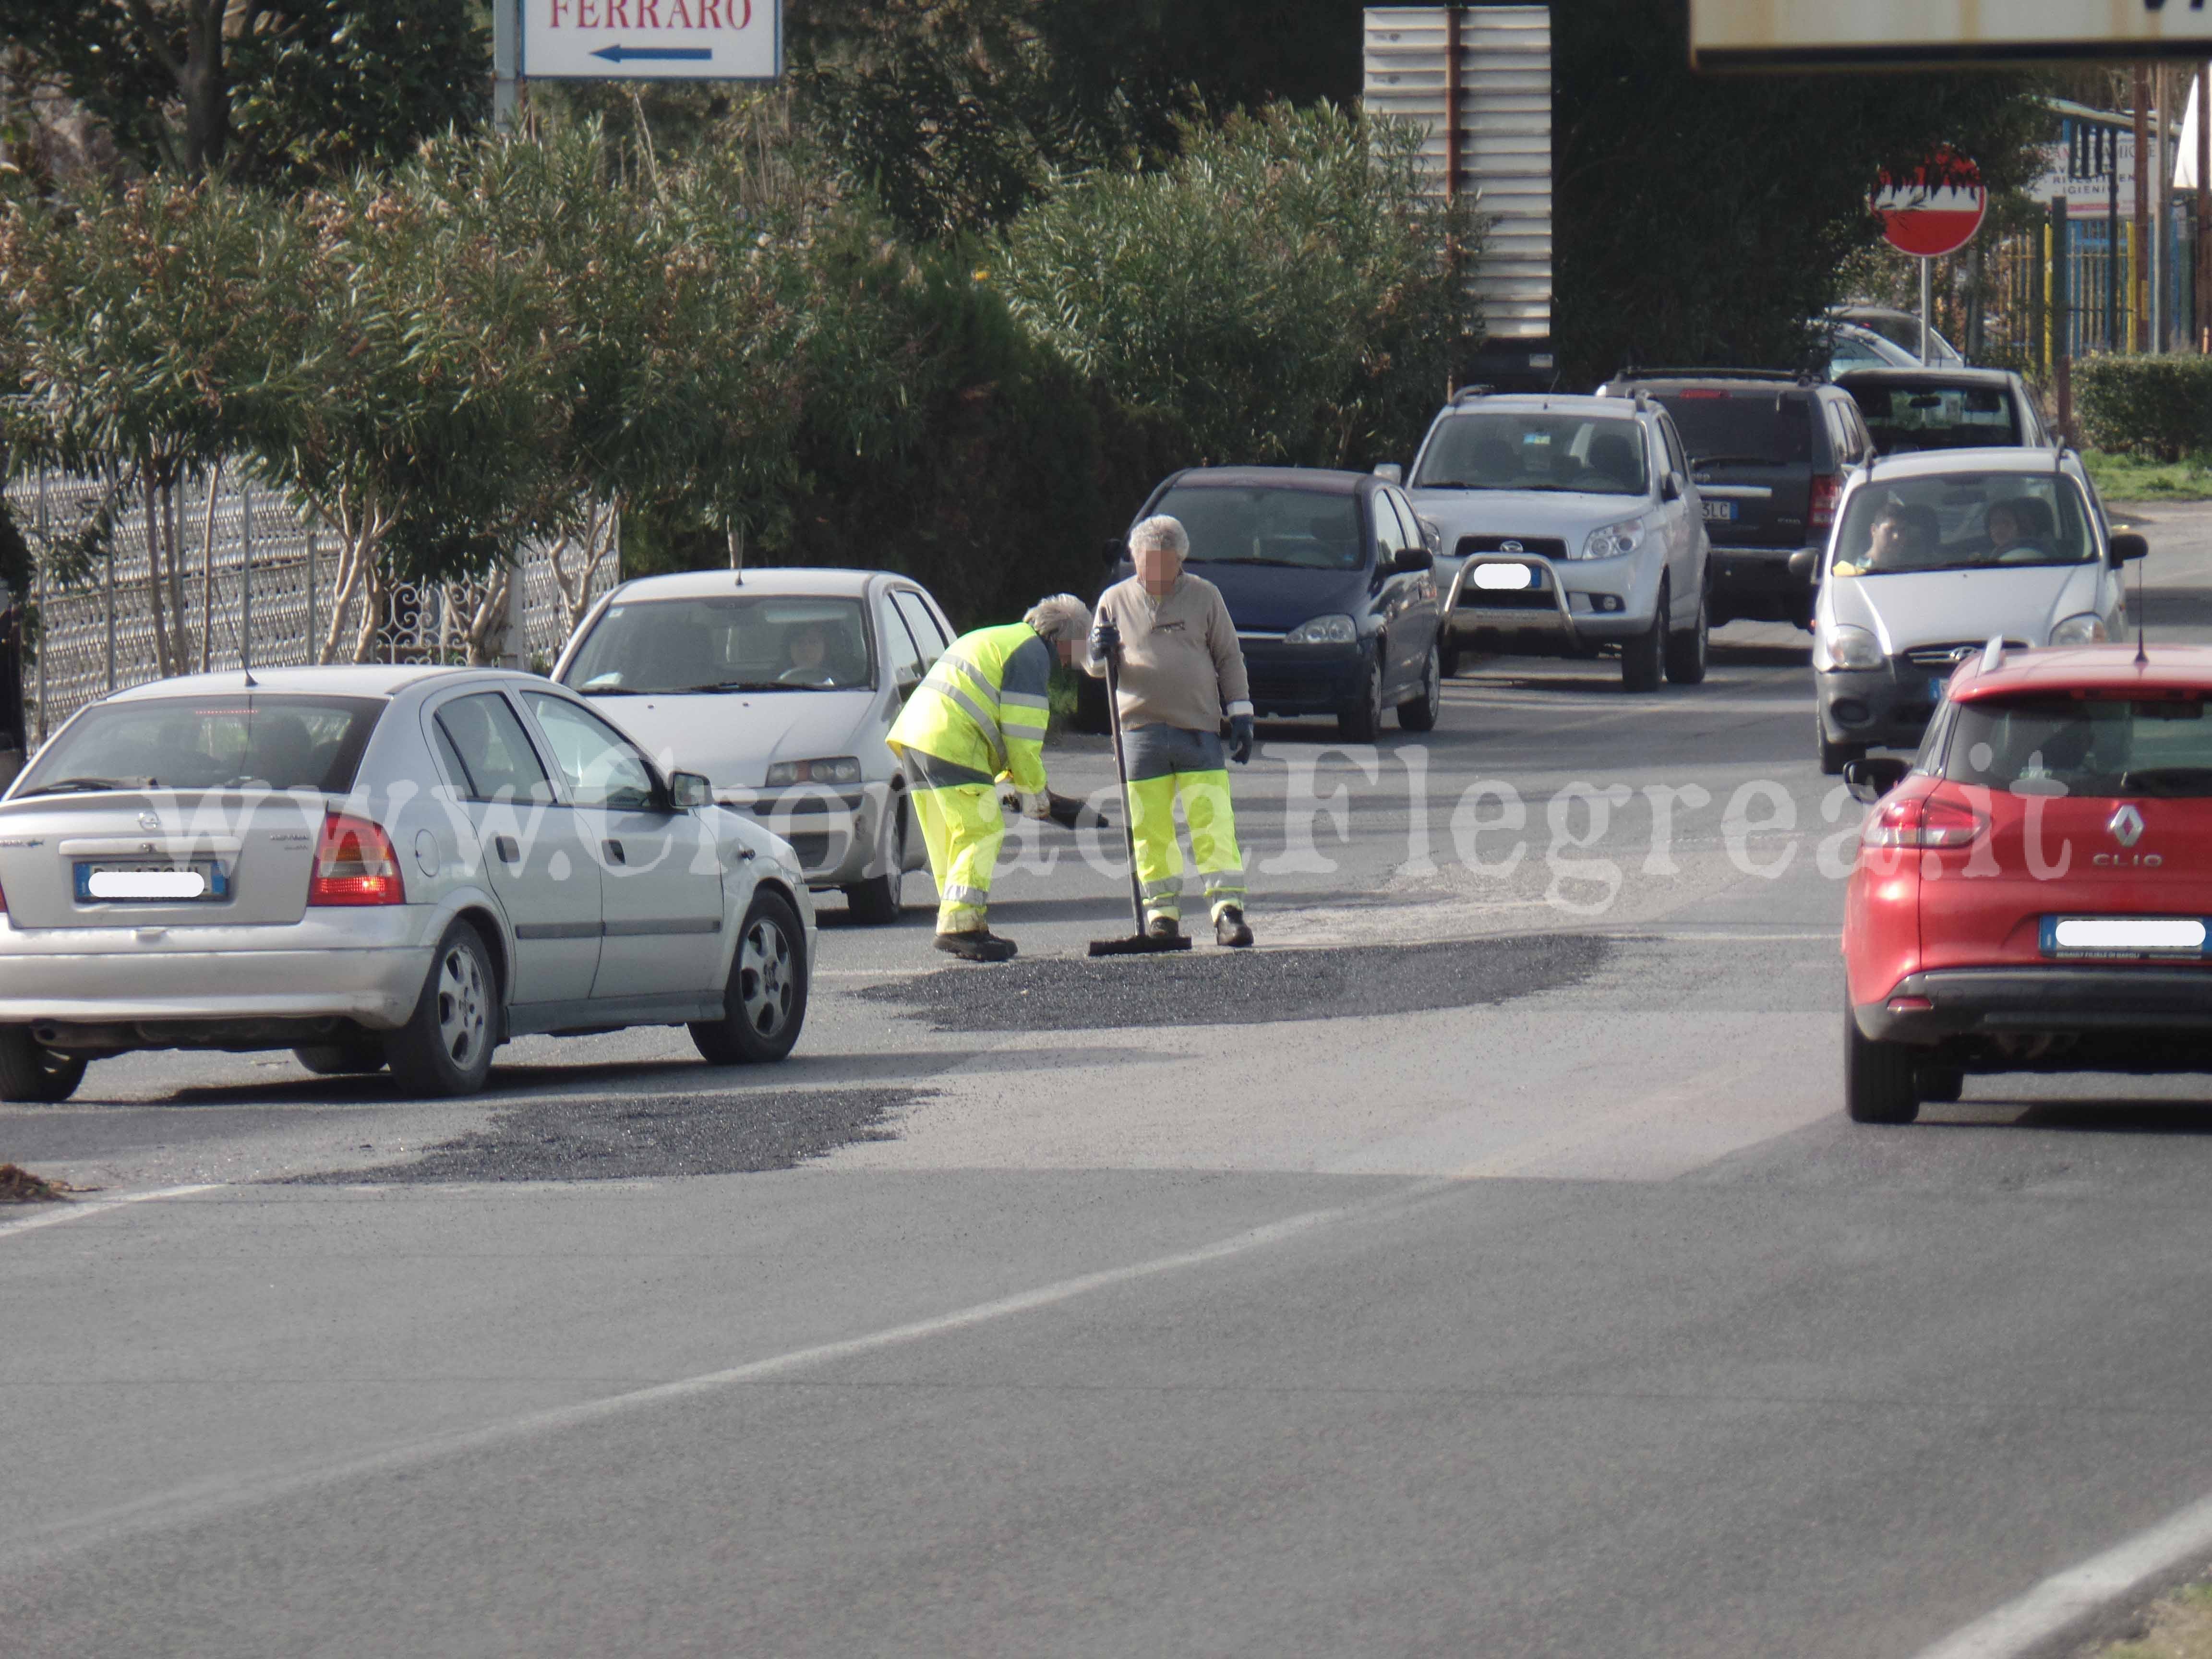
(1105, 640)
(1034, 803)
(1240, 738)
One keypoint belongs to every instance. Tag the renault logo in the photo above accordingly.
(2126, 825)
(1509, 546)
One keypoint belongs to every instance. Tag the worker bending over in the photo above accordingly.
(1182, 671)
(978, 714)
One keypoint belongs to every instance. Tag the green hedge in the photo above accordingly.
(2160, 405)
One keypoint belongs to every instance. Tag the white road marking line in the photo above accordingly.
(2120, 1576)
(203, 1500)
(80, 1209)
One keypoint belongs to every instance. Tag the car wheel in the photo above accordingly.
(1877, 1078)
(764, 1003)
(342, 1058)
(1938, 1085)
(444, 1048)
(1834, 757)
(878, 901)
(1418, 712)
(31, 1074)
(1685, 651)
(1359, 721)
(1448, 660)
(1640, 657)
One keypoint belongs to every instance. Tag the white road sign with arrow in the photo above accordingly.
(652, 40)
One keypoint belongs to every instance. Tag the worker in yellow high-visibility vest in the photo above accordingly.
(977, 716)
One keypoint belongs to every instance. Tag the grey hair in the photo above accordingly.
(1163, 533)
(1060, 616)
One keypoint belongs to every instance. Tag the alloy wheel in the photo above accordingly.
(764, 976)
(464, 1005)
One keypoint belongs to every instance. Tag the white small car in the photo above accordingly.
(1936, 554)
(779, 685)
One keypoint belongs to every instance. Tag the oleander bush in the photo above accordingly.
(2159, 406)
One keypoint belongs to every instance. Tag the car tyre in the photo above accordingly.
(445, 1048)
(342, 1058)
(1878, 1082)
(1687, 651)
(1448, 660)
(878, 901)
(1938, 1085)
(764, 1003)
(1834, 757)
(31, 1074)
(1418, 712)
(1360, 721)
(1640, 657)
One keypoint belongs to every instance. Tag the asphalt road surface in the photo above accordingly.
(1483, 1265)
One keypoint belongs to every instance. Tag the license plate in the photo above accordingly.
(2123, 936)
(1720, 512)
(1936, 687)
(165, 884)
(1507, 577)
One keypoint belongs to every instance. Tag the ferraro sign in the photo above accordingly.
(1777, 34)
(652, 40)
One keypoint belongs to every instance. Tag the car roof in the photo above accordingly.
(2062, 669)
(1323, 480)
(1927, 463)
(773, 580)
(1936, 374)
(1545, 403)
(337, 680)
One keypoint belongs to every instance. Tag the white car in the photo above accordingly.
(400, 865)
(1569, 523)
(1936, 554)
(779, 685)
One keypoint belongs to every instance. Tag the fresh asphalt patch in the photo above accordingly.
(623, 1137)
(1242, 987)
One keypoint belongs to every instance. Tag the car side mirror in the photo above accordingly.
(2127, 544)
(1117, 548)
(908, 680)
(1390, 472)
(1803, 563)
(1408, 559)
(1670, 487)
(689, 790)
(1870, 779)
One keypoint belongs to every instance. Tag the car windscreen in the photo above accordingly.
(1904, 417)
(725, 642)
(1508, 449)
(2083, 747)
(1756, 426)
(1268, 525)
(254, 741)
(1963, 521)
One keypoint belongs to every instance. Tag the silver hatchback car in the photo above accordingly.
(377, 865)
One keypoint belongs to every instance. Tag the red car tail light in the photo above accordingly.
(1919, 823)
(1828, 488)
(354, 864)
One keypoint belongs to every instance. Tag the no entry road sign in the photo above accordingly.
(1935, 208)
(652, 40)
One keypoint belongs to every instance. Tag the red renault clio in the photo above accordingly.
(2034, 888)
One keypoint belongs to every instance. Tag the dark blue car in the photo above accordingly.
(1328, 577)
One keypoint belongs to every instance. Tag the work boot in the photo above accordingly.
(1228, 928)
(981, 945)
(1162, 927)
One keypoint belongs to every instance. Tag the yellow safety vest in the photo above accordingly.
(984, 705)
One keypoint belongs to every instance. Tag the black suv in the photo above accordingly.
(1768, 451)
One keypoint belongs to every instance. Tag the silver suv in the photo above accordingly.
(1570, 526)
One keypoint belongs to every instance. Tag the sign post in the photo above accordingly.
(1933, 210)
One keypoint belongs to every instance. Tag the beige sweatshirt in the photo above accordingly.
(1181, 663)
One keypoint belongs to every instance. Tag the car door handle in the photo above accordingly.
(614, 854)
(505, 849)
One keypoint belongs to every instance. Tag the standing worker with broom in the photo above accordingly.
(1179, 671)
(980, 714)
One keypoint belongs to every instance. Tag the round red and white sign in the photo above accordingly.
(1934, 209)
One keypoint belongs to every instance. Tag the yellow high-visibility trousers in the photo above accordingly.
(1168, 765)
(962, 826)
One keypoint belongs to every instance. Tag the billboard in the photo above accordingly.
(1813, 33)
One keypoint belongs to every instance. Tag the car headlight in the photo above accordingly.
(2086, 629)
(1324, 630)
(839, 768)
(1845, 646)
(1612, 542)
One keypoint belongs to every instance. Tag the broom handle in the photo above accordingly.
(1121, 771)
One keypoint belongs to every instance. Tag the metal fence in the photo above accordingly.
(253, 583)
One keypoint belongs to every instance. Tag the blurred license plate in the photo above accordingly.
(2123, 936)
(1505, 578)
(1720, 512)
(98, 884)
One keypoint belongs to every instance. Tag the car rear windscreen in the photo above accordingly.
(2084, 746)
(255, 741)
(1758, 427)
(1907, 417)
